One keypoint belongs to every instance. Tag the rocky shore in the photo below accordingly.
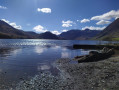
(101, 75)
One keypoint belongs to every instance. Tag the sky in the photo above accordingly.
(59, 16)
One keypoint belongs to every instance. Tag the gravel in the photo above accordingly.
(101, 75)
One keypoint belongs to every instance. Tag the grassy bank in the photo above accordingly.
(115, 39)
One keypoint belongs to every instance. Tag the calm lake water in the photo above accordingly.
(23, 58)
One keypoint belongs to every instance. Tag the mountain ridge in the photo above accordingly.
(76, 34)
(110, 32)
(9, 32)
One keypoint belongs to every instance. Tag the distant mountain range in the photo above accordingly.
(109, 33)
(79, 34)
(48, 35)
(8, 32)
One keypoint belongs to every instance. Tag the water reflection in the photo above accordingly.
(39, 49)
(30, 57)
(56, 47)
(65, 55)
(83, 52)
(43, 67)
(8, 51)
(5, 51)
(0, 70)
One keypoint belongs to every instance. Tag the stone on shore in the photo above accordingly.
(96, 56)
(102, 75)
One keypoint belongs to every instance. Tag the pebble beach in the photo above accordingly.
(101, 75)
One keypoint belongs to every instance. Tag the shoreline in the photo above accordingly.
(86, 46)
(101, 75)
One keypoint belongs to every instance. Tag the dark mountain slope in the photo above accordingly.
(6, 29)
(48, 35)
(79, 34)
(110, 32)
(8, 32)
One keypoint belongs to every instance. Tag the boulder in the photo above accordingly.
(105, 50)
(93, 53)
(96, 56)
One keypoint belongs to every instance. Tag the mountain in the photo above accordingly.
(79, 34)
(5, 36)
(9, 32)
(111, 32)
(48, 35)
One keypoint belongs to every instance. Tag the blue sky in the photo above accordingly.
(58, 15)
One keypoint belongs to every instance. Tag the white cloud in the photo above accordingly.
(67, 23)
(93, 28)
(107, 16)
(3, 7)
(102, 22)
(44, 10)
(39, 28)
(85, 20)
(56, 32)
(64, 30)
(13, 24)
(5, 21)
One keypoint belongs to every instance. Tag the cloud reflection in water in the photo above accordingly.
(39, 50)
(65, 55)
(43, 67)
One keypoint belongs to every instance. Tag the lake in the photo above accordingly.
(24, 58)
